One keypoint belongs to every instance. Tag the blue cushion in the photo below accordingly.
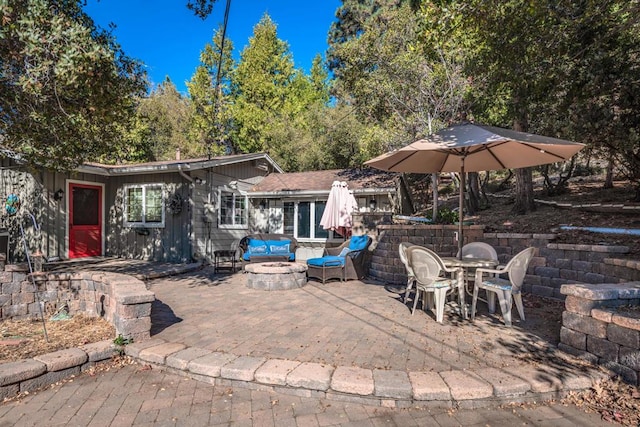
(256, 246)
(326, 261)
(358, 243)
(278, 247)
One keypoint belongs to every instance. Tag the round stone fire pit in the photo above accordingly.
(276, 276)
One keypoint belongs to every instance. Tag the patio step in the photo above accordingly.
(380, 387)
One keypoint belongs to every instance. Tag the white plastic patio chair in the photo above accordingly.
(402, 249)
(428, 270)
(503, 288)
(477, 250)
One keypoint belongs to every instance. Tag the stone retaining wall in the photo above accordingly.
(553, 265)
(120, 299)
(594, 329)
(27, 375)
(385, 261)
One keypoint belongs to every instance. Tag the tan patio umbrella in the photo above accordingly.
(469, 147)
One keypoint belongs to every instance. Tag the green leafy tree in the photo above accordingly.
(397, 82)
(559, 68)
(510, 48)
(351, 18)
(595, 94)
(163, 119)
(403, 78)
(201, 8)
(66, 87)
(209, 90)
(134, 140)
(262, 83)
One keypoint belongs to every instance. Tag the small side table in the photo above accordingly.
(224, 255)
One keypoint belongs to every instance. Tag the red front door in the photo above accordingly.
(85, 220)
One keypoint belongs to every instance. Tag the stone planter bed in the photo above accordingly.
(121, 299)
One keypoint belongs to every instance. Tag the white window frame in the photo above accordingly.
(143, 223)
(312, 219)
(236, 195)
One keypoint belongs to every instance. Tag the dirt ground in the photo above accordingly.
(24, 339)
(547, 219)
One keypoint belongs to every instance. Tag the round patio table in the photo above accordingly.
(468, 265)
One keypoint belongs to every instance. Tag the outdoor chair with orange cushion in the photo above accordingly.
(506, 289)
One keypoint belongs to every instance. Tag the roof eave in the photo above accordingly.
(311, 193)
(172, 167)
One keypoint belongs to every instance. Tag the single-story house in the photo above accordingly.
(293, 203)
(174, 211)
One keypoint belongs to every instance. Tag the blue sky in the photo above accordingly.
(168, 38)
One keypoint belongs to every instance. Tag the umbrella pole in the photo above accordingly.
(461, 208)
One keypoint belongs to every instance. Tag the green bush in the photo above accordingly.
(446, 190)
(445, 216)
(584, 170)
(120, 342)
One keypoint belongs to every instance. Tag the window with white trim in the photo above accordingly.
(302, 220)
(144, 205)
(233, 210)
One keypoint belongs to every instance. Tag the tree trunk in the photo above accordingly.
(472, 201)
(434, 183)
(608, 181)
(524, 179)
(524, 192)
(504, 184)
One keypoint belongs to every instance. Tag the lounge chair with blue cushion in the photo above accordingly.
(349, 261)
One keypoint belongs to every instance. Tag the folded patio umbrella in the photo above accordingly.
(469, 147)
(338, 210)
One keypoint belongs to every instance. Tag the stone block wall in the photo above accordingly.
(596, 328)
(27, 375)
(385, 261)
(120, 299)
(553, 265)
(571, 263)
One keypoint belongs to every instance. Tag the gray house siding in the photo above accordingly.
(192, 233)
(170, 243)
(209, 235)
(37, 190)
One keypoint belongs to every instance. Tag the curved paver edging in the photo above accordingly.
(27, 375)
(455, 388)
(122, 299)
